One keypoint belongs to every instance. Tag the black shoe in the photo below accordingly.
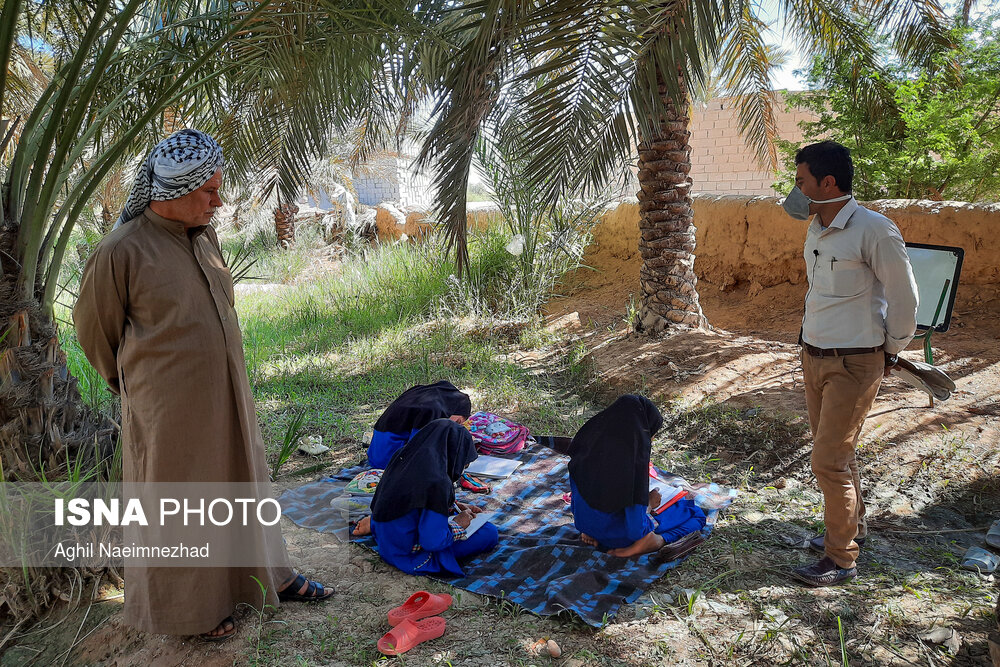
(817, 544)
(824, 572)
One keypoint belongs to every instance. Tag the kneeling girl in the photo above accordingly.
(411, 411)
(609, 480)
(412, 518)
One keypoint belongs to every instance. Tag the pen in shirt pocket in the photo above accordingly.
(831, 263)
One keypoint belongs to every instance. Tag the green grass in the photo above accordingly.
(302, 355)
(343, 346)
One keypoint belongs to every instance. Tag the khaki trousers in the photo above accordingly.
(839, 393)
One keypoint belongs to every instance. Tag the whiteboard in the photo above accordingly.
(936, 268)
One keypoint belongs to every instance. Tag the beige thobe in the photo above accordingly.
(155, 317)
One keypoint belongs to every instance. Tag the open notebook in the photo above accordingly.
(492, 466)
(477, 522)
(668, 494)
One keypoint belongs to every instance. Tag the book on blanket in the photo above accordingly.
(492, 466)
(477, 522)
(669, 494)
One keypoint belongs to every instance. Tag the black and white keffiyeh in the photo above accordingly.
(178, 165)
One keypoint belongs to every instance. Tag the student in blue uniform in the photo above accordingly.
(609, 479)
(415, 408)
(412, 511)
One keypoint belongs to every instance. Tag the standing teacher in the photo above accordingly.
(155, 317)
(860, 312)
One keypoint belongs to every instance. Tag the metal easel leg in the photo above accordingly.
(928, 352)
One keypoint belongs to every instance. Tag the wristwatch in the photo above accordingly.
(891, 360)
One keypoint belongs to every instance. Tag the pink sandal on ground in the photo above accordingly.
(409, 633)
(419, 605)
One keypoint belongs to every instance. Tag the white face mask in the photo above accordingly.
(796, 204)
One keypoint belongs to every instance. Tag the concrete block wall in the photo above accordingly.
(373, 190)
(415, 187)
(378, 180)
(393, 177)
(721, 162)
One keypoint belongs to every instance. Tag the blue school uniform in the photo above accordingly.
(384, 445)
(412, 410)
(413, 500)
(616, 530)
(439, 550)
(609, 462)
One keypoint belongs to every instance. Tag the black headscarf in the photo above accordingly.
(418, 406)
(609, 455)
(422, 473)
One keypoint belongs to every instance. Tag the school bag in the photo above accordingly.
(495, 435)
(364, 483)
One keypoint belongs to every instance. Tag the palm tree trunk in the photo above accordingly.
(284, 224)
(43, 421)
(44, 427)
(669, 295)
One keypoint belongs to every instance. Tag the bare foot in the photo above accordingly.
(644, 545)
(225, 629)
(363, 527)
(654, 499)
(588, 540)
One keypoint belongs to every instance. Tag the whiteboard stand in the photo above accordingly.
(936, 269)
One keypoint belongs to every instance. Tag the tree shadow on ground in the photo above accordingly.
(909, 577)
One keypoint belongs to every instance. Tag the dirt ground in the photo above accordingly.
(930, 474)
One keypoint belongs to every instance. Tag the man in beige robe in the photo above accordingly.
(155, 317)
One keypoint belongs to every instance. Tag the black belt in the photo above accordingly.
(838, 351)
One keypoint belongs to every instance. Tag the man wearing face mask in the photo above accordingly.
(860, 312)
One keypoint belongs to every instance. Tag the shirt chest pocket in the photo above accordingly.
(842, 277)
(225, 280)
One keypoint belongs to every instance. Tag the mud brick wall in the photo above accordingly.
(753, 240)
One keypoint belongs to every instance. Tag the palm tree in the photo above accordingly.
(92, 114)
(121, 74)
(274, 81)
(610, 75)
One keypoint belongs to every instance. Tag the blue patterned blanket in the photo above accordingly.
(540, 564)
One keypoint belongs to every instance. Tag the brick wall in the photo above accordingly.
(378, 180)
(414, 185)
(721, 162)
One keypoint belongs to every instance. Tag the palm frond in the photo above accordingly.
(597, 68)
(918, 28)
(829, 26)
(746, 62)
(577, 116)
(471, 86)
(316, 77)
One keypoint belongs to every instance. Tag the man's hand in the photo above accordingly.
(464, 518)
(890, 361)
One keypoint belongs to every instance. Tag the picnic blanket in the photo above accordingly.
(540, 564)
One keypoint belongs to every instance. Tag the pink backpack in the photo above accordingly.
(495, 435)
